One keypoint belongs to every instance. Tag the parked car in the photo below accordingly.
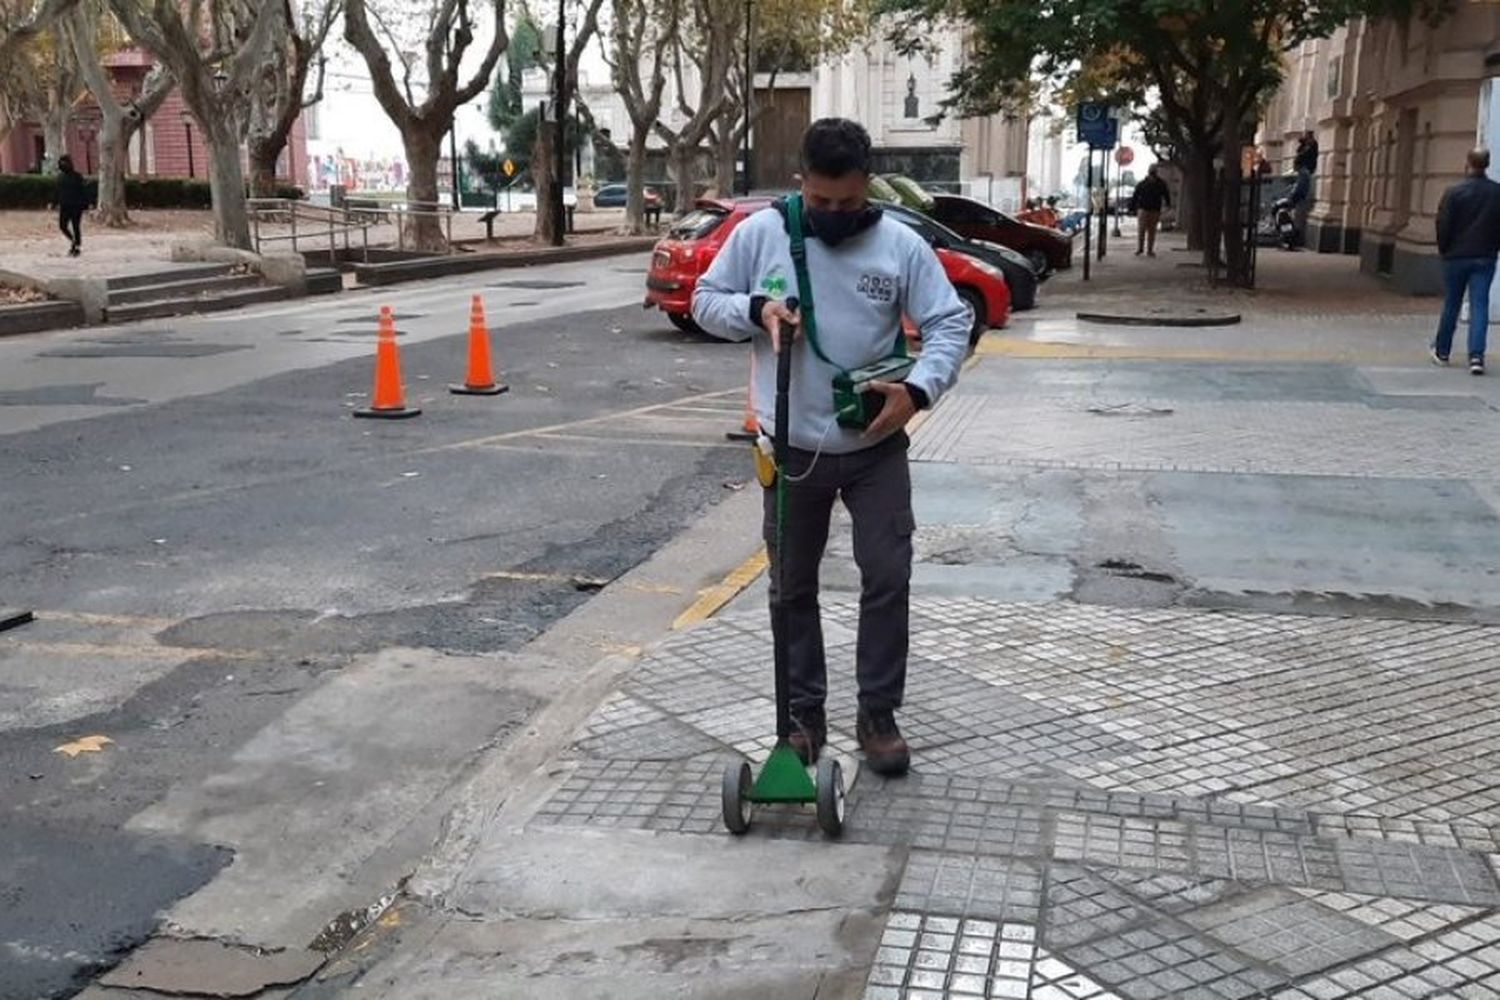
(1019, 275)
(691, 244)
(1048, 248)
(982, 287)
(614, 195)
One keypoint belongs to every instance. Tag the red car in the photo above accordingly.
(691, 244)
(1047, 249)
(694, 240)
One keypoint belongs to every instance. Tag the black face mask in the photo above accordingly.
(834, 228)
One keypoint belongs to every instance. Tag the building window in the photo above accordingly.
(1335, 77)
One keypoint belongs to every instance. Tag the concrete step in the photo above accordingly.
(324, 280)
(181, 289)
(169, 276)
(194, 304)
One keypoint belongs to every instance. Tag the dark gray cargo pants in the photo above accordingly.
(875, 485)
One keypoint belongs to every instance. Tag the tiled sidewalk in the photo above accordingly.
(1330, 830)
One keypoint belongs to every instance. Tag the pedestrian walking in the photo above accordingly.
(1148, 199)
(1468, 237)
(72, 199)
(867, 271)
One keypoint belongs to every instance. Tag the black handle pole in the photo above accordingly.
(781, 444)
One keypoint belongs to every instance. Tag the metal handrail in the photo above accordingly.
(331, 221)
(337, 221)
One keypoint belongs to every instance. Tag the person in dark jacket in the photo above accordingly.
(1468, 237)
(1147, 199)
(72, 199)
(1307, 153)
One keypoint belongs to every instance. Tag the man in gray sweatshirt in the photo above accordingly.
(866, 272)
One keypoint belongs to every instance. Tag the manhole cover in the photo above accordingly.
(537, 284)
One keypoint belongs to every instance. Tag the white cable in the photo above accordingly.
(817, 453)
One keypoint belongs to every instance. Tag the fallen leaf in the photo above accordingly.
(88, 744)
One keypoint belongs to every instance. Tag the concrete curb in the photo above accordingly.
(1179, 318)
(394, 272)
(34, 317)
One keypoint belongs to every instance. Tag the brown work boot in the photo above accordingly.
(885, 749)
(809, 734)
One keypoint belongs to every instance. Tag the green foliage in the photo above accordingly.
(488, 167)
(520, 138)
(523, 53)
(38, 191)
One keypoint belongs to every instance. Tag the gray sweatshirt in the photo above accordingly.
(861, 288)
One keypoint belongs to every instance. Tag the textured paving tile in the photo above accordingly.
(1005, 889)
(922, 956)
(1287, 931)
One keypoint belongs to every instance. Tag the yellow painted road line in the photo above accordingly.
(124, 650)
(572, 424)
(712, 599)
(664, 442)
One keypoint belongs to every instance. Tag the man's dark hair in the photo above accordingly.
(833, 147)
(1478, 160)
(65, 163)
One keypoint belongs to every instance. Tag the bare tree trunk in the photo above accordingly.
(635, 181)
(264, 152)
(54, 125)
(680, 164)
(726, 153)
(114, 151)
(226, 178)
(542, 153)
(424, 231)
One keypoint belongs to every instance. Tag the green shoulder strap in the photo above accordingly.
(804, 286)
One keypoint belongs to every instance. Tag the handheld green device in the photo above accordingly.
(855, 404)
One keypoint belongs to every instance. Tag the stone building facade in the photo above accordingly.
(1395, 106)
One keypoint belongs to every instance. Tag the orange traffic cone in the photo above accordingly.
(389, 400)
(750, 426)
(480, 380)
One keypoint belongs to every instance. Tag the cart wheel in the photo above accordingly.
(830, 796)
(737, 805)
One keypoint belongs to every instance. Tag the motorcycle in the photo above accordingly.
(1286, 224)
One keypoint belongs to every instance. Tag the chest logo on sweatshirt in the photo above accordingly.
(774, 284)
(877, 287)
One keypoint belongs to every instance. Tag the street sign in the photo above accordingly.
(1124, 156)
(509, 167)
(1097, 125)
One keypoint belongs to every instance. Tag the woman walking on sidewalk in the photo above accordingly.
(72, 199)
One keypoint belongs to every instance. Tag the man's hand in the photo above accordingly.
(774, 315)
(898, 409)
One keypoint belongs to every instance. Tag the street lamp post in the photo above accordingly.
(749, 97)
(559, 116)
(187, 131)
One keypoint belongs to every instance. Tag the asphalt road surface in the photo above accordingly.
(209, 539)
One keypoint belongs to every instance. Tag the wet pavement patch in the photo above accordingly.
(79, 394)
(1124, 567)
(536, 284)
(375, 318)
(99, 898)
(145, 350)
